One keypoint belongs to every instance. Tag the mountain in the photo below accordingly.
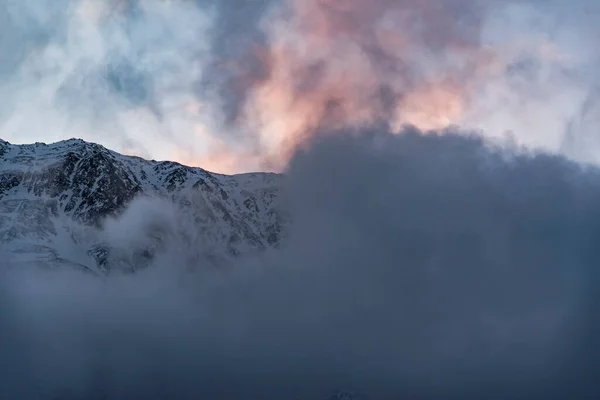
(57, 200)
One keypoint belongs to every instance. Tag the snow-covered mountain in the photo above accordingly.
(57, 200)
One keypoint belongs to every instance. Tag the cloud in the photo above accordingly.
(432, 266)
(336, 65)
(119, 72)
(494, 66)
(238, 85)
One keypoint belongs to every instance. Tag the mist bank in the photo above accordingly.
(434, 266)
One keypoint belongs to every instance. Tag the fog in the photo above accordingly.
(429, 266)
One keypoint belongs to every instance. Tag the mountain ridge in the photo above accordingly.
(46, 187)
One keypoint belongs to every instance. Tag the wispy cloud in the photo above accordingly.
(236, 85)
(118, 72)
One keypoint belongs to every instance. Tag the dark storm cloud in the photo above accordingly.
(480, 256)
(430, 267)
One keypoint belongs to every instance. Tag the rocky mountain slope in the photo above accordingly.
(57, 200)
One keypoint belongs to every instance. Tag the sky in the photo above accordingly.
(239, 85)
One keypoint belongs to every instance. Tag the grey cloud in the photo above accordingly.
(81, 66)
(27, 26)
(133, 54)
(582, 137)
(434, 267)
(237, 34)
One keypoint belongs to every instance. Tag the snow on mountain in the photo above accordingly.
(57, 200)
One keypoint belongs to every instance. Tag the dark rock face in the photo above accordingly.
(101, 187)
(85, 184)
(89, 184)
